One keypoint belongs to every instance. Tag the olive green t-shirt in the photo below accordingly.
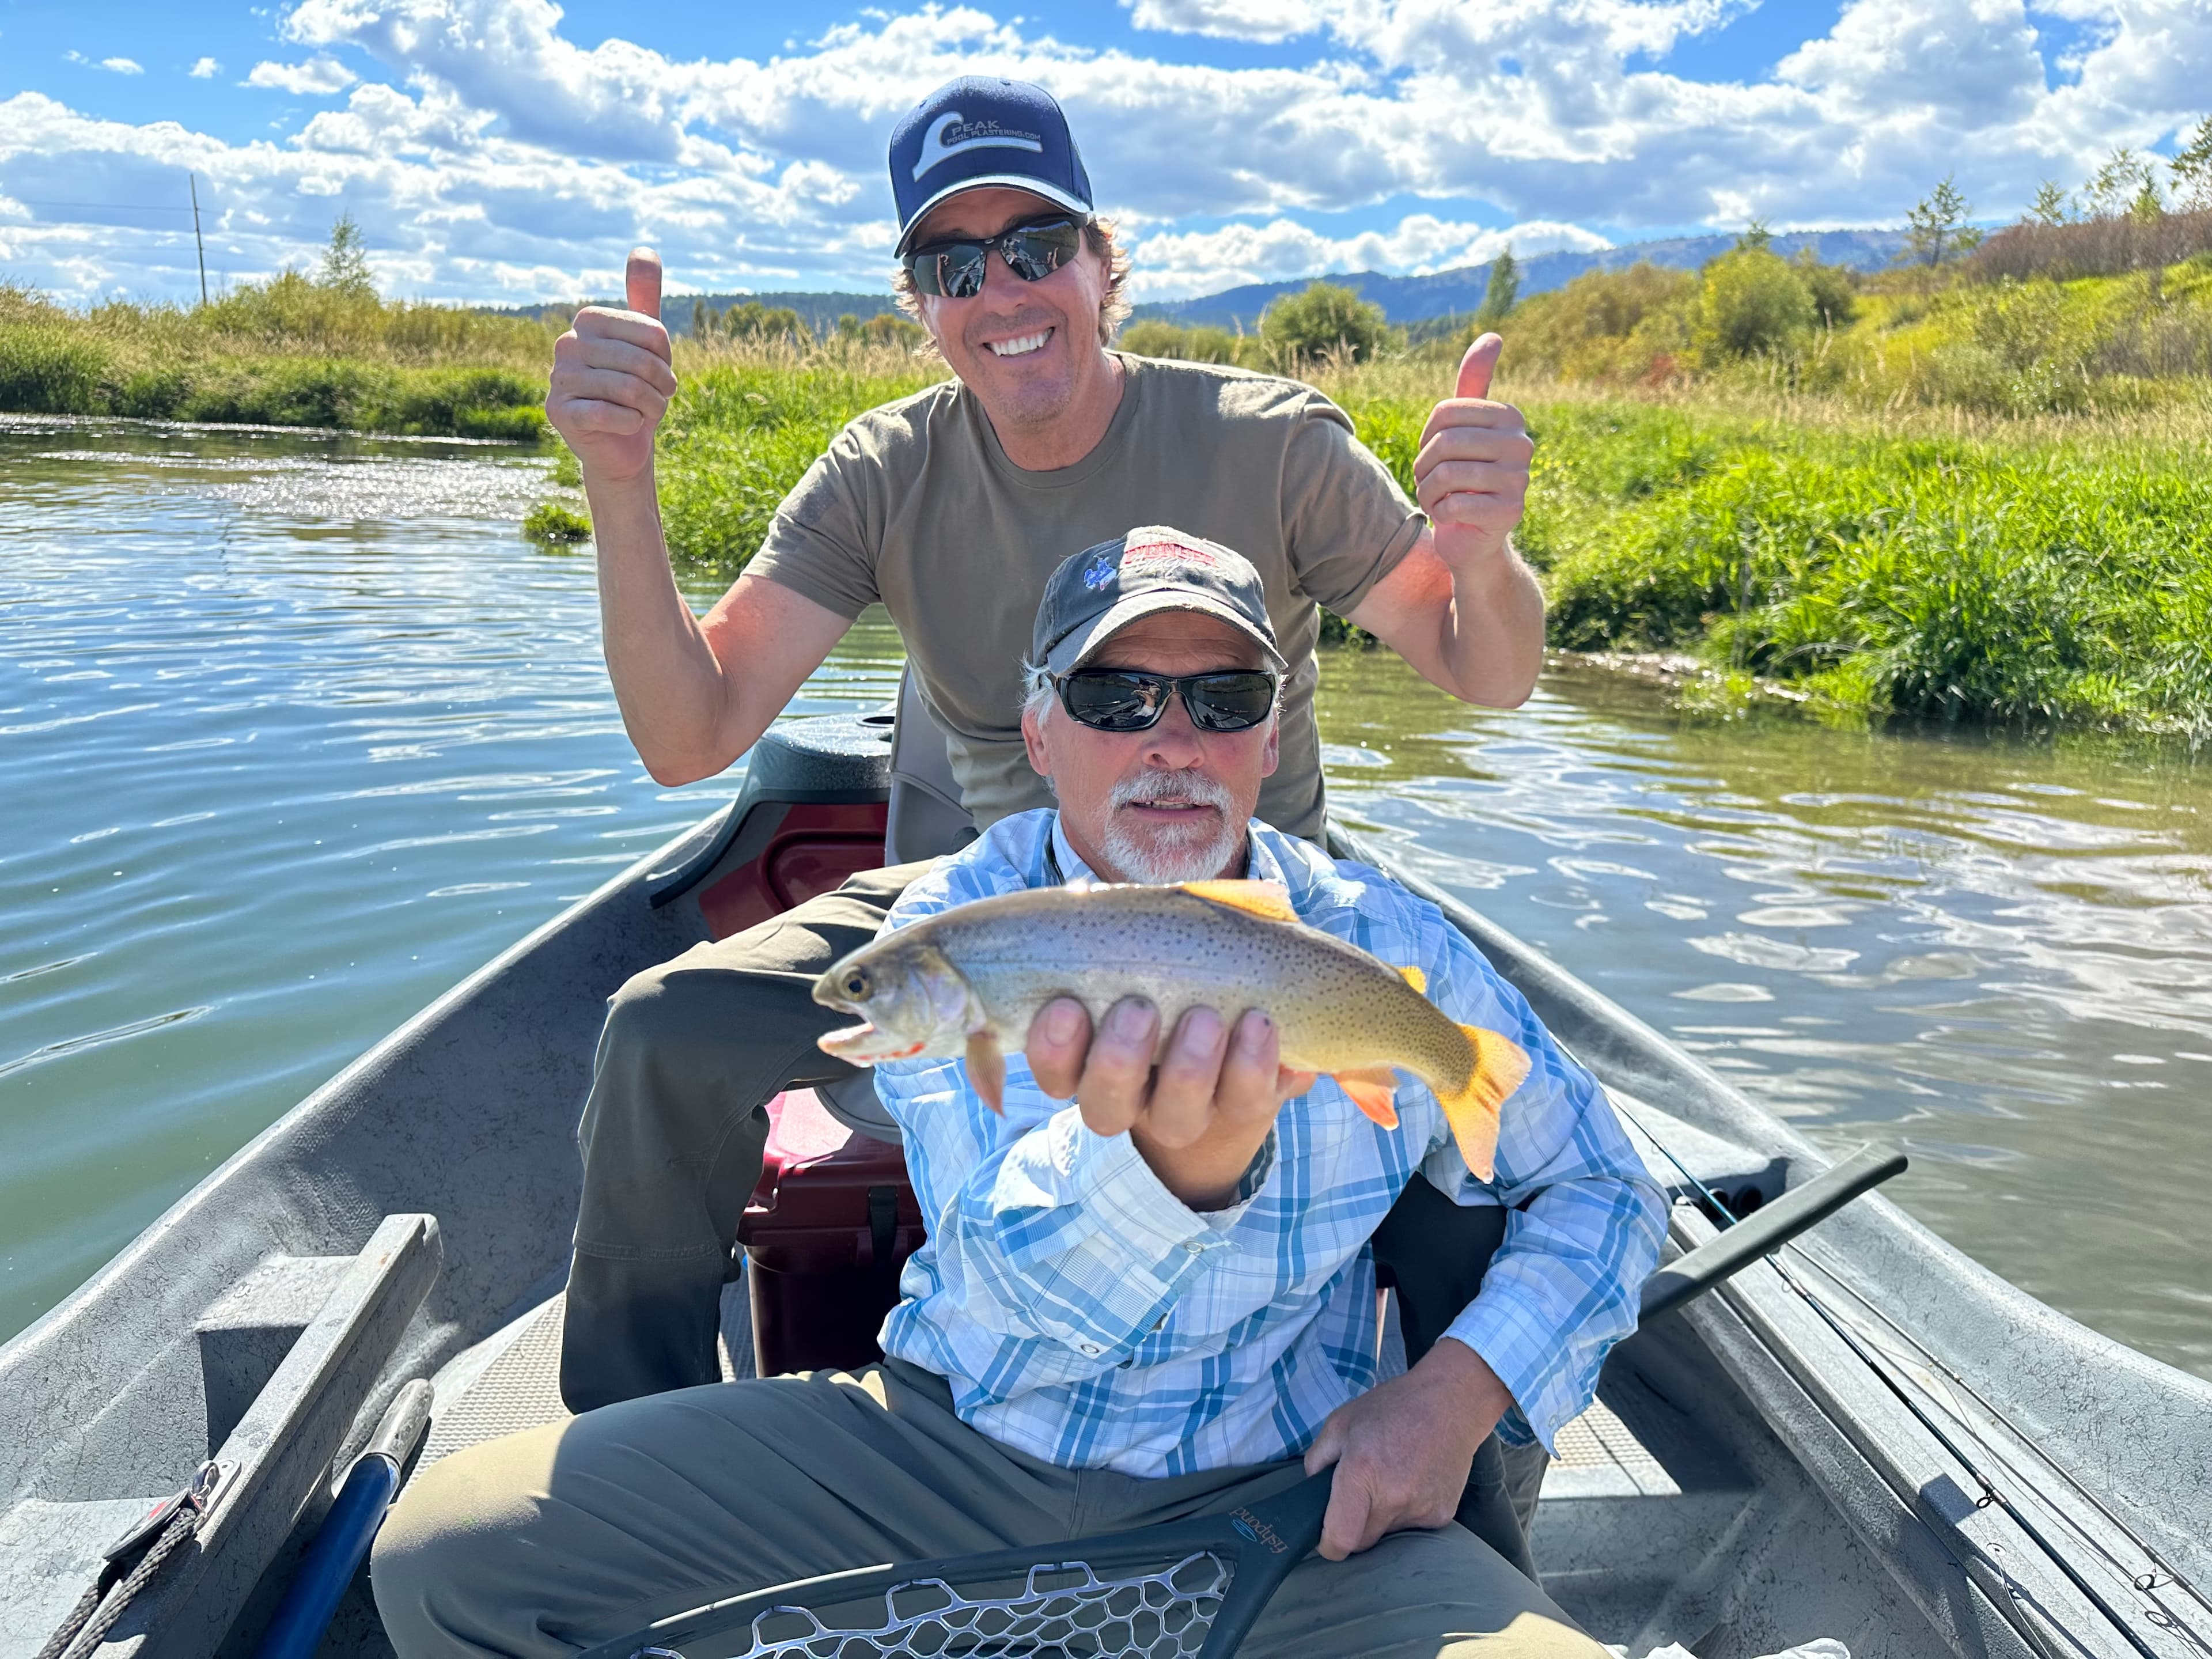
(915, 505)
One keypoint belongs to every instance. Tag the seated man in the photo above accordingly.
(1155, 1302)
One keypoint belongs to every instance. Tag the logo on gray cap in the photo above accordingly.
(1096, 593)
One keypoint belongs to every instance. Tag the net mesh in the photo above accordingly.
(1060, 1612)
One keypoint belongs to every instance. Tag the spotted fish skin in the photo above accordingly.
(972, 979)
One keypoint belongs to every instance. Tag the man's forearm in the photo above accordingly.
(667, 683)
(1491, 635)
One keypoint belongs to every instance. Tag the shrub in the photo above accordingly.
(1326, 320)
(1153, 337)
(1604, 325)
(1750, 303)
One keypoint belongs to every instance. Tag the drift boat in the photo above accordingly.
(1865, 1436)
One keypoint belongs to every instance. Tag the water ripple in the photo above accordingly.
(299, 731)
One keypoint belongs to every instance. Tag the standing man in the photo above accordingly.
(952, 507)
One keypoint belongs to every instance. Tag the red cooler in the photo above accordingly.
(825, 1234)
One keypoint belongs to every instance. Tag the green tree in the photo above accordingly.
(1750, 303)
(702, 320)
(2192, 167)
(884, 328)
(2053, 205)
(1754, 236)
(1327, 318)
(1937, 223)
(2113, 188)
(1835, 292)
(345, 261)
(1503, 289)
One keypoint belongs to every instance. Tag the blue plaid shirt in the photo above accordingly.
(1084, 1315)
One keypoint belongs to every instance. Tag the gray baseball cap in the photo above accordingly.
(1099, 592)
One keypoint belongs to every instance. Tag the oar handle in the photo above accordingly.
(1767, 1228)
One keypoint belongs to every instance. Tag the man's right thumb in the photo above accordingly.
(641, 282)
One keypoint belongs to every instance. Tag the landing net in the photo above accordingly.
(1062, 1611)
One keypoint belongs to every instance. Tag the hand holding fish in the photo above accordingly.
(1202, 1118)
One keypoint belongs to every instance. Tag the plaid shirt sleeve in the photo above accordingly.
(1584, 1218)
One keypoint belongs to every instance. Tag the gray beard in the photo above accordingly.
(1198, 852)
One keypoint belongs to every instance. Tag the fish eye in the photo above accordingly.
(856, 982)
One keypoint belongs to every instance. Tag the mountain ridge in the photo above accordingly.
(1448, 292)
(1404, 299)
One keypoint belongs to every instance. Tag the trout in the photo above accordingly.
(968, 981)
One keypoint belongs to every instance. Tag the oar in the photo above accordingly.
(1767, 1229)
(296, 1630)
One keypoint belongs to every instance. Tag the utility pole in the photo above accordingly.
(195, 185)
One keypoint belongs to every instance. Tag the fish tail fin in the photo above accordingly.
(1500, 1066)
(1416, 978)
(1374, 1089)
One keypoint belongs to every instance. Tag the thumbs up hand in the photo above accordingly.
(1472, 474)
(612, 378)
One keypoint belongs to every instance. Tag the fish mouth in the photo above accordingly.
(865, 1045)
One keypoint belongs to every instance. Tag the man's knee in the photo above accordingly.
(1419, 1594)
(456, 1543)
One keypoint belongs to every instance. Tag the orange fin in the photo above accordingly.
(1416, 978)
(986, 1069)
(1270, 899)
(1500, 1067)
(1374, 1089)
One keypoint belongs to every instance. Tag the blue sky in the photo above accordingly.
(511, 150)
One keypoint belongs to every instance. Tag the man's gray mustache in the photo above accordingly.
(1156, 786)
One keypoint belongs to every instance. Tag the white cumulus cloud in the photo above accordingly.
(1173, 265)
(205, 69)
(317, 76)
(1243, 20)
(489, 155)
(112, 65)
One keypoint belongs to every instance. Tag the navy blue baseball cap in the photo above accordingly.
(980, 130)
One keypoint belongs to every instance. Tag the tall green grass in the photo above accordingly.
(288, 353)
(2005, 576)
(743, 428)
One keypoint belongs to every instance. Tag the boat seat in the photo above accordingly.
(927, 818)
(926, 821)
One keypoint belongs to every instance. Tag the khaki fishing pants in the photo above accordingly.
(553, 1540)
(672, 1133)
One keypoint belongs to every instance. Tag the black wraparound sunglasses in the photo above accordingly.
(1125, 700)
(1032, 251)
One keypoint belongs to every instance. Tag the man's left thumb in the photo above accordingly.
(1477, 366)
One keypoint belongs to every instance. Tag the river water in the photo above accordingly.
(296, 730)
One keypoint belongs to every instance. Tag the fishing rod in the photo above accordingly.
(1884, 1371)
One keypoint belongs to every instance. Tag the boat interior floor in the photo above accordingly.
(1648, 1531)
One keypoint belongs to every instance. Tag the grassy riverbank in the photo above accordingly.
(1948, 559)
(1936, 561)
(290, 352)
